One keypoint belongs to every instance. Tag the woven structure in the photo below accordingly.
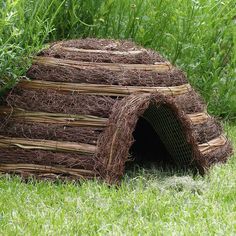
(92, 105)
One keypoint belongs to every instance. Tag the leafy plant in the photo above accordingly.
(196, 35)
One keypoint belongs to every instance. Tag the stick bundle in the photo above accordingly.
(105, 90)
(8, 142)
(158, 67)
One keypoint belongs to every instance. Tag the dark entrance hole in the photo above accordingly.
(148, 150)
(159, 140)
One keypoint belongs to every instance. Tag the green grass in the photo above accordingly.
(147, 203)
(197, 35)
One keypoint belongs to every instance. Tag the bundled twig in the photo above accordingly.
(213, 144)
(79, 173)
(88, 51)
(158, 67)
(74, 120)
(53, 118)
(8, 142)
(198, 118)
(106, 90)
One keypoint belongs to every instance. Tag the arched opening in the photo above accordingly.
(145, 129)
(159, 140)
(147, 149)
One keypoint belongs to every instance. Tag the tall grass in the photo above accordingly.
(24, 27)
(197, 35)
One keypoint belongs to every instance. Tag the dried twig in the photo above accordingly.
(106, 90)
(8, 142)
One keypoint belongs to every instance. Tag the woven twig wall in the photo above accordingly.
(75, 113)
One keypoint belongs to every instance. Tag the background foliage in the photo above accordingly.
(197, 35)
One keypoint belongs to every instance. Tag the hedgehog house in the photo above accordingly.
(87, 107)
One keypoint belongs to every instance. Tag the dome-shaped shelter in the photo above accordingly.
(91, 105)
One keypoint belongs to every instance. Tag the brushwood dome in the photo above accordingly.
(88, 107)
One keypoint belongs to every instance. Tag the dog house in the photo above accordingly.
(87, 107)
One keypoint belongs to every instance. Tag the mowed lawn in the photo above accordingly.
(150, 202)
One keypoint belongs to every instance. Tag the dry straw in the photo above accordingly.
(89, 51)
(105, 90)
(9, 142)
(79, 173)
(53, 118)
(157, 67)
(213, 144)
(74, 120)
